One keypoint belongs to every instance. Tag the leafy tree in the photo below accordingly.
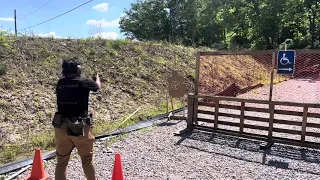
(255, 24)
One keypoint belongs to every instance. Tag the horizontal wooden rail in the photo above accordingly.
(263, 128)
(282, 103)
(313, 134)
(313, 125)
(262, 110)
(259, 119)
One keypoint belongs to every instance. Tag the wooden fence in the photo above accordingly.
(194, 101)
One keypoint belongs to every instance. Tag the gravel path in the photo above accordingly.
(156, 154)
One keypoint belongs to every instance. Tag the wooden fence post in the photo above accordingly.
(216, 114)
(242, 117)
(190, 111)
(304, 124)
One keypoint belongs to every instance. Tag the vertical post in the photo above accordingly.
(190, 112)
(197, 73)
(271, 108)
(242, 117)
(216, 114)
(304, 124)
(272, 76)
(195, 100)
(15, 23)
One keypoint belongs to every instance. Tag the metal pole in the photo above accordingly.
(15, 22)
(272, 75)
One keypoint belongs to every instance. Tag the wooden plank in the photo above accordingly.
(229, 115)
(216, 115)
(313, 125)
(286, 122)
(220, 122)
(256, 127)
(282, 103)
(206, 104)
(225, 106)
(304, 124)
(314, 115)
(242, 117)
(275, 121)
(190, 111)
(259, 119)
(206, 120)
(271, 107)
(288, 131)
(252, 118)
(219, 114)
(206, 112)
(313, 134)
(253, 109)
(292, 113)
(263, 110)
(229, 123)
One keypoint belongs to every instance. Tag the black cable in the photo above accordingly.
(57, 16)
(35, 10)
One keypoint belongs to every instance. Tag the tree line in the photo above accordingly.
(232, 24)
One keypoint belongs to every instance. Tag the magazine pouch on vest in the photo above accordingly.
(57, 120)
(75, 126)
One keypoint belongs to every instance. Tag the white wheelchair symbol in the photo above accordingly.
(284, 60)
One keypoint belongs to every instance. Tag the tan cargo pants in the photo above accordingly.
(64, 147)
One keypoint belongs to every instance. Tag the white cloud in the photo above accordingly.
(106, 35)
(7, 19)
(103, 7)
(104, 23)
(49, 34)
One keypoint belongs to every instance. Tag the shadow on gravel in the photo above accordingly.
(280, 150)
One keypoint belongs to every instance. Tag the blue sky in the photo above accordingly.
(97, 18)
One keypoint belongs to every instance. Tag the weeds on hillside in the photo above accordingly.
(3, 70)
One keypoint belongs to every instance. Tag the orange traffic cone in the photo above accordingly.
(37, 172)
(117, 168)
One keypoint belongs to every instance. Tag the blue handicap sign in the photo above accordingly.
(286, 62)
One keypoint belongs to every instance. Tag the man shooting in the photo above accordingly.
(72, 121)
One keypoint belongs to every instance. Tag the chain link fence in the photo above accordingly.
(227, 74)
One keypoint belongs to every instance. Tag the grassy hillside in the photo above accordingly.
(133, 75)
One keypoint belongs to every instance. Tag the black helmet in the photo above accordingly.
(71, 66)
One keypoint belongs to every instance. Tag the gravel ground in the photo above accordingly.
(156, 154)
